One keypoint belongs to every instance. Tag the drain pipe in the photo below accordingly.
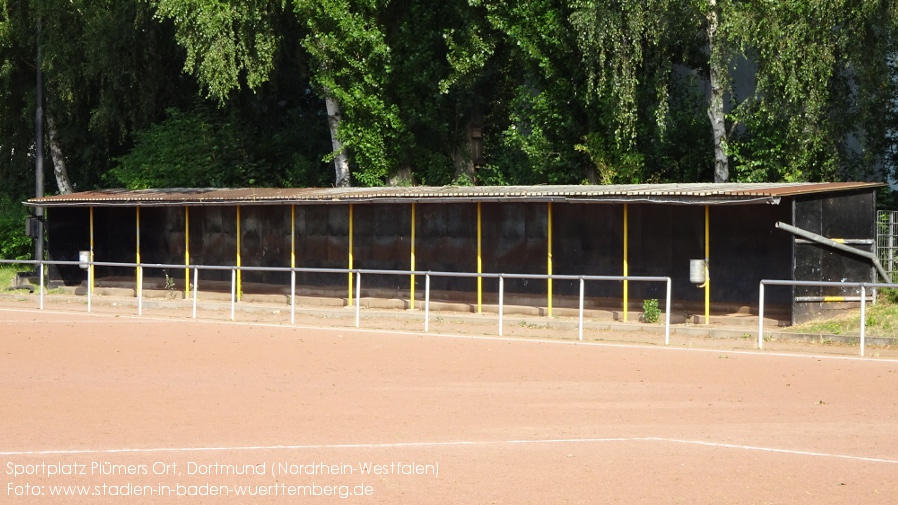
(820, 239)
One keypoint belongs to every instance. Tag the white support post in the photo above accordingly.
(139, 290)
(667, 315)
(358, 298)
(761, 317)
(233, 291)
(426, 302)
(90, 281)
(580, 327)
(195, 282)
(863, 317)
(501, 301)
(293, 297)
(40, 265)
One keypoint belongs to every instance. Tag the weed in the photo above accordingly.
(650, 310)
(170, 285)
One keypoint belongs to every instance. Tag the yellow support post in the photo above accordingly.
(350, 256)
(626, 261)
(90, 270)
(707, 257)
(186, 251)
(239, 273)
(549, 260)
(479, 261)
(411, 303)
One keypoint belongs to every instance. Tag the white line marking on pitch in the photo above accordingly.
(352, 329)
(455, 443)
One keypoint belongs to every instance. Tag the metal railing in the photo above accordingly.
(139, 267)
(863, 299)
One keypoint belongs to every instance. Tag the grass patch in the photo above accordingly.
(882, 321)
(7, 274)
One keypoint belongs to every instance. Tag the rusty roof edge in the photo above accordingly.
(693, 193)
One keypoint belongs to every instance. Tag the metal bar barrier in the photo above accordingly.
(863, 299)
(235, 271)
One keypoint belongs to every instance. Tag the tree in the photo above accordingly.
(824, 106)
(626, 45)
(594, 86)
(106, 72)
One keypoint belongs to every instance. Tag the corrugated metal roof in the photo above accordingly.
(697, 193)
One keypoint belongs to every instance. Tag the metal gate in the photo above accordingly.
(887, 240)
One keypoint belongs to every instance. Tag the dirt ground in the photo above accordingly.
(159, 408)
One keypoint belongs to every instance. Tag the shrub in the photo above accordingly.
(14, 244)
(650, 311)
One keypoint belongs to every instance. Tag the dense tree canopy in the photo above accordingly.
(143, 93)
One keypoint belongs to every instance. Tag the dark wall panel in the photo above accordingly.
(514, 241)
(265, 242)
(746, 247)
(115, 240)
(447, 241)
(213, 240)
(662, 240)
(162, 240)
(322, 241)
(587, 240)
(382, 241)
(843, 216)
(68, 231)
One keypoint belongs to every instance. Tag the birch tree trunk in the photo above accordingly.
(59, 168)
(715, 108)
(341, 161)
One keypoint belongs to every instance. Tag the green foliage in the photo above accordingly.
(558, 92)
(14, 244)
(886, 199)
(825, 89)
(225, 41)
(615, 38)
(891, 295)
(650, 311)
(353, 63)
(613, 166)
(203, 149)
(207, 147)
(7, 275)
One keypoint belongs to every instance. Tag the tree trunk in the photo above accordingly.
(59, 169)
(341, 162)
(715, 108)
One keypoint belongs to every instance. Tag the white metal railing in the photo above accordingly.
(358, 276)
(863, 299)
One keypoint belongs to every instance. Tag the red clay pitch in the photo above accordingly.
(152, 409)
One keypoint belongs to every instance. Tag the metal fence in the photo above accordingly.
(863, 299)
(887, 240)
(139, 268)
